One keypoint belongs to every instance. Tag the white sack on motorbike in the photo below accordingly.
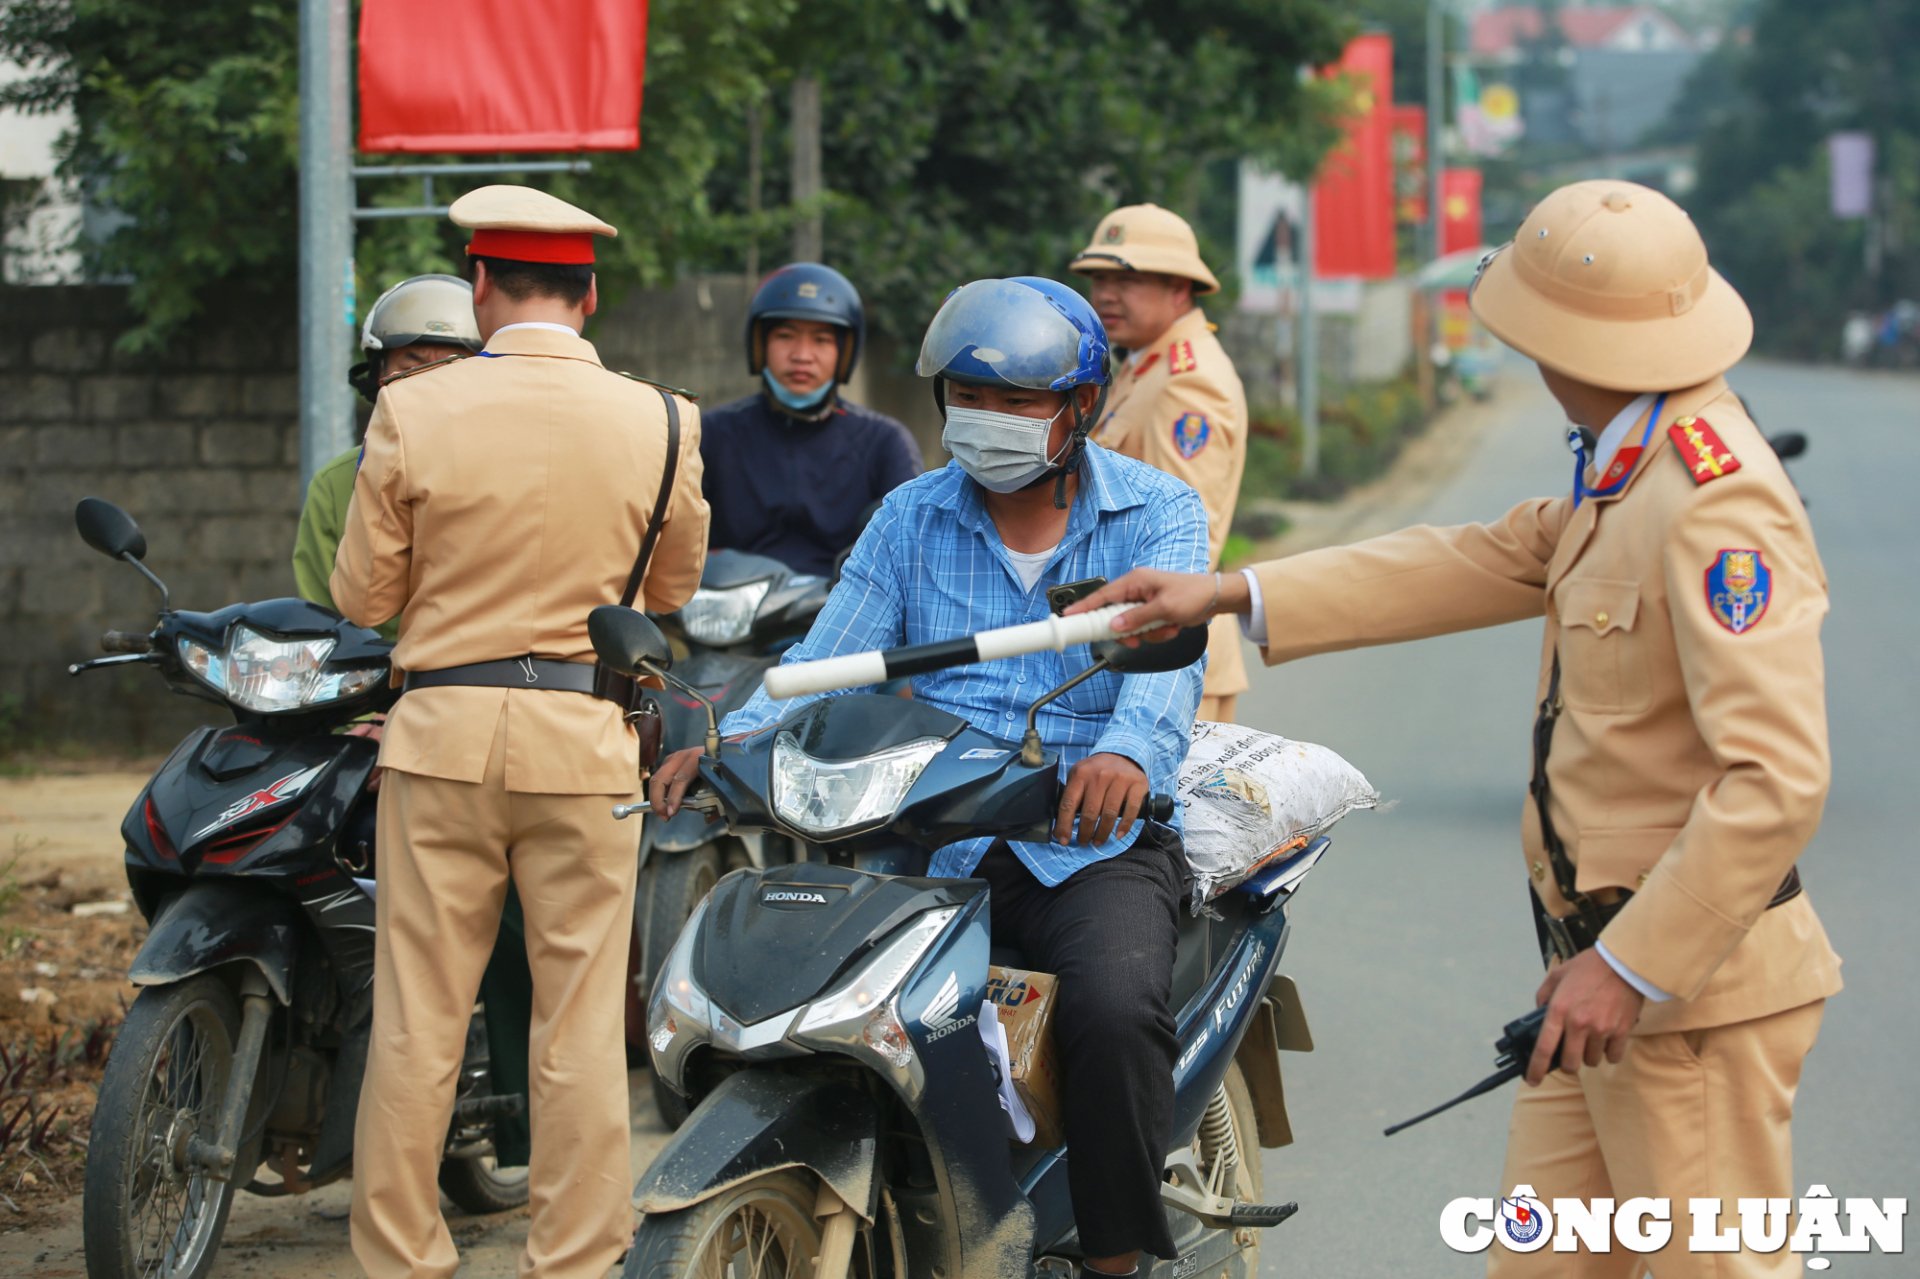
(1248, 797)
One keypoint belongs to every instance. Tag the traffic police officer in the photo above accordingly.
(500, 500)
(1681, 749)
(1176, 402)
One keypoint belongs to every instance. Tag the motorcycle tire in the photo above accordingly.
(143, 1216)
(769, 1217)
(480, 1188)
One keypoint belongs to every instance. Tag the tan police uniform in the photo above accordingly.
(501, 499)
(1688, 764)
(1177, 403)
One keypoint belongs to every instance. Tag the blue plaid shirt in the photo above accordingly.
(931, 566)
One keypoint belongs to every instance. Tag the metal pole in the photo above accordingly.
(326, 236)
(1309, 381)
(1436, 118)
(804, 130)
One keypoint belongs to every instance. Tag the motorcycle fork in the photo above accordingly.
(256, 1016)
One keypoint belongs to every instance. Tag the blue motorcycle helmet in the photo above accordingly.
(1025, 331)
(807, 291)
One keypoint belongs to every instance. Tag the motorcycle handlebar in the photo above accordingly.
(126, 642)
(1160, 808)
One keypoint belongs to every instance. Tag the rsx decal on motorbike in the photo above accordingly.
(279, 792)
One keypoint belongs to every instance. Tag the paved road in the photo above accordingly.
(1412, 945)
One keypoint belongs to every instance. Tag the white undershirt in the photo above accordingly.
(1031, 564)
(1616, 433)
(567, 329)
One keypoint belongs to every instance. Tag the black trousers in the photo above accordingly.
(1108, 932)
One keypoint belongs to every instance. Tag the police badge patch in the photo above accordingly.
(1190, 432)
(1739, 588)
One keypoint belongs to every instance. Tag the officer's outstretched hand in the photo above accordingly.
(1591, 1011)
(1106, 792)
(668, 785)
(1167, 601)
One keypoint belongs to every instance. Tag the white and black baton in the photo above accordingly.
(857, 670)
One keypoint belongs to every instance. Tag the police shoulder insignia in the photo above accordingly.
(1739, 588)
(1706, 457)
(688, 396)
(418, 369)
(1190, 433)
(1180, 358)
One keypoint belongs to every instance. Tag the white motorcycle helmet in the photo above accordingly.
(421, 308)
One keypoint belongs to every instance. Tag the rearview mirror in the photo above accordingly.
(1788, 444)
(1182, 651)
(108, 529)
(627, 641)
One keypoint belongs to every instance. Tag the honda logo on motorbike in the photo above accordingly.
(793, 897)
(938, 1019)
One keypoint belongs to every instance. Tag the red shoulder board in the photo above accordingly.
(1706, 456)
(1180, 358)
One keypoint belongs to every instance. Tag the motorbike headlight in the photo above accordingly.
(819, 796)
(724, 616)
(862, 1011)
(269, 675)
(674, 990)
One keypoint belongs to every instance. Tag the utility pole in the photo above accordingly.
(326, 236)
(754, 134)
(1308, 383)
(1436, 118)
(804, 130)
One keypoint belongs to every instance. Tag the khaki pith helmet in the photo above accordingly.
(422, 308)
(1146, 237)
(1607, 282)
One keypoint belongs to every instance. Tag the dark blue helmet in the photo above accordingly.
(807, 291)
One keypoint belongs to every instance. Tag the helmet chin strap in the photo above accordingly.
(1076, 445)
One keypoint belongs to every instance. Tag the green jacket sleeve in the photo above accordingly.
(317, 540)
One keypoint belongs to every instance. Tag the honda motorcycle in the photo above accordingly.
(823, 1016)
(251, 855)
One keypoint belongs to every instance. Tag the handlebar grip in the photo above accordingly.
(126, 642)
(1160, 808)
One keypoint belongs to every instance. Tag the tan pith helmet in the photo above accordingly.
(1607, 282)
(1146, 237)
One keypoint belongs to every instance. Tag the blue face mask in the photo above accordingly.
(790, 400)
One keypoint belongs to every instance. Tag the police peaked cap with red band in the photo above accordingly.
(525, 225)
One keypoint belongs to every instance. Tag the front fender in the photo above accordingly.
(218, 922)
(759, 1121)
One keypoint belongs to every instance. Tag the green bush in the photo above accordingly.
(1361, 432)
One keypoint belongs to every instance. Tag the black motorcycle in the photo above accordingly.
(748, 609)
(251, 854)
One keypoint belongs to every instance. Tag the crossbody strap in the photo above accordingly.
(667, 475)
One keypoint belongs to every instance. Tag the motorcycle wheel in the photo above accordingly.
(479, 1186)
(145, 1214)
(762, 1228)
(676, 883)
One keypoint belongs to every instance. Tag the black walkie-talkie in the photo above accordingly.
(1513, 1051)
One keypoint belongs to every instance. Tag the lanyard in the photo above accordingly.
(1623, 460)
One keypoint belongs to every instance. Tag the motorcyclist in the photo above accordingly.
(1020, 368)
(792, 468)
(421, 320)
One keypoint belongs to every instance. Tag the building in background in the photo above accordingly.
(39, 217)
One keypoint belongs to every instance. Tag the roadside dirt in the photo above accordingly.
(60, 848)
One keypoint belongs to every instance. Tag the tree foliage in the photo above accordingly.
(961, 137)
(1762, 199)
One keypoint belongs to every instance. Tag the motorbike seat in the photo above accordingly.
(1190, 957)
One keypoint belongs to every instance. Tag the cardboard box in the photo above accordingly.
(1024, 1002)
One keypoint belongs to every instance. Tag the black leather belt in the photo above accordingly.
(1568, 935)
(509, 672)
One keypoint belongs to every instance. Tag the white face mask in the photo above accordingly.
(1003, 452)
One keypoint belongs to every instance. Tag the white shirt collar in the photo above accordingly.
(567, 329)
(1616, 433)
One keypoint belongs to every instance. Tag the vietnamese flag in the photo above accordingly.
(1353, 198)
(501, 75)
(1460, 227)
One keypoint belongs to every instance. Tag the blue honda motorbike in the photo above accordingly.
(808, 1011)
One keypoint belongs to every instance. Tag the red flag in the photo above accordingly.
(501, 75)
(1410, 163)
(1459, 210)
(1353, 199)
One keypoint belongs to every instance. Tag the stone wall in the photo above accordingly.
(200, 443)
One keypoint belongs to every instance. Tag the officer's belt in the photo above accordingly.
(1567, 935)
(509, 672)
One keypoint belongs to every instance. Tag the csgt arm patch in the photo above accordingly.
(1739, 588)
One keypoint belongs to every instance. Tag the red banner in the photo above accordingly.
(1410, 163)
(1353, 198)
(501, 75)
(1460, 210)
